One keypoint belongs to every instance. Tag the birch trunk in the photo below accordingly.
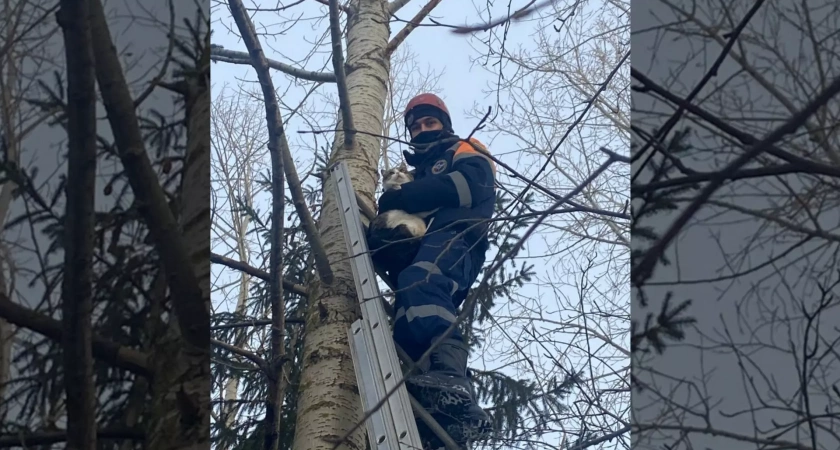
(329, 403)
(230, 410)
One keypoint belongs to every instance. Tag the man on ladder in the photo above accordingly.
(458, 178)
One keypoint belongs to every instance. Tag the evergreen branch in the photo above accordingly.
(598, 440)
(254, 323)
(39, 438)
(251, 356)
(190, 304)
(103, 349)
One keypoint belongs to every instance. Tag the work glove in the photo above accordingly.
(390, 200)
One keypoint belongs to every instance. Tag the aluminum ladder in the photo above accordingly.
(375, 359)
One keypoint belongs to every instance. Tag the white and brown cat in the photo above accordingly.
(394, 236)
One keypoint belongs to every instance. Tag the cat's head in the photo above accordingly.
(396, 176)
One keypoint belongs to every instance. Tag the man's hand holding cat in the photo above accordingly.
(390, 200)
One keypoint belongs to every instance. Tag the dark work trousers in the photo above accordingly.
(442, 270)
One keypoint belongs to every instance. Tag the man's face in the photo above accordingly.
(424, 124)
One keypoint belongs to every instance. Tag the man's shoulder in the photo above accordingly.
(474, 148)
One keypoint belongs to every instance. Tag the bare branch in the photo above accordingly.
(253, 271)
(345, 8)
(103, 349)
(519, 14)
(234, 57)
(741, 136)
(338, 67)
(669, 125)
(415, 21)
(644, 269)
(396, 5)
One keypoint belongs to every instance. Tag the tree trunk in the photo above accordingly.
(329, 402)
(231, 390)
(77, 282)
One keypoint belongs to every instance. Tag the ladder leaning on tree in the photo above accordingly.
(376, 357)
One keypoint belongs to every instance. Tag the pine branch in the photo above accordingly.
(54, 437)
(251, 356)
(191, 308)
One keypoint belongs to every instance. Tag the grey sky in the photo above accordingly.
(739, 309)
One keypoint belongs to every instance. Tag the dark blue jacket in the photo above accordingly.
(460, 180)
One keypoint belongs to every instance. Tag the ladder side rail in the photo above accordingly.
(376, 424)
(373, 312)
(373, 383)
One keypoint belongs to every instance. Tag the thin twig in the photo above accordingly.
(519, 14)
(571, 127)
(741, 136)
(666, 128)
(644, 269)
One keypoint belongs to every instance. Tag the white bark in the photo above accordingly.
(329, 402)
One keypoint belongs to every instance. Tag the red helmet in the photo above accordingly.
(426, 99)
(427, 105)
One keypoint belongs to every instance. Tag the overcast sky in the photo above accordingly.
(739, 309)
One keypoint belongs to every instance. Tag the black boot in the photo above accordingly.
(447, 393)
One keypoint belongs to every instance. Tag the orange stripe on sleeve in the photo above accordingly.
(475, 149)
